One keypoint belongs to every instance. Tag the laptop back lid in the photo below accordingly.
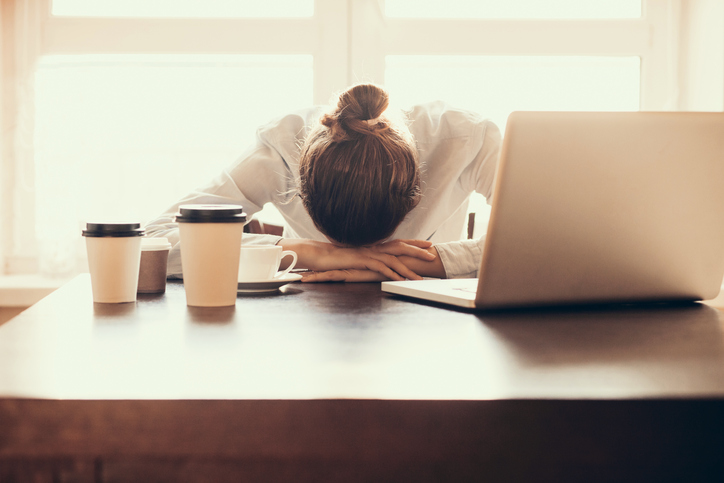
(606, 207)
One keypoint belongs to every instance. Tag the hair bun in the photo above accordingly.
(363, 102)
(356, 106)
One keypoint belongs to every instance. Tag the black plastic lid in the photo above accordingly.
(210, 214)
(113, 230)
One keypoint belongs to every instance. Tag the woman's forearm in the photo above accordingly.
(386, 259)
(432, 268)
(308, 252)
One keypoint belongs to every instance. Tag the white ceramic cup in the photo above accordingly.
(261, 263)
(114, 259)
(210, 236)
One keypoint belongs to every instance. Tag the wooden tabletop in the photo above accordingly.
(312, 341)
(340, 382)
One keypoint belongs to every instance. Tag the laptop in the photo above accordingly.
(599, 207)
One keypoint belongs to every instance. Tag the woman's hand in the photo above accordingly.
(408, 248)
(430, 266)
(349, 275)
(381, 259)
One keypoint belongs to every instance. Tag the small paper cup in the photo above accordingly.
(154, 262)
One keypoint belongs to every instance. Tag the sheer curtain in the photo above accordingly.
(24, 20)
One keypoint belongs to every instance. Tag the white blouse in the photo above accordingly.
(458, 152)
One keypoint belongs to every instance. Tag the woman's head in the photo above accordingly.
(359, 174)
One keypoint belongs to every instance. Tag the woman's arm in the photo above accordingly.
(427, 268)
(432, 266)
(449, 260)
(393, 260)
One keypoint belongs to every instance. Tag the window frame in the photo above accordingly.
(348, 40)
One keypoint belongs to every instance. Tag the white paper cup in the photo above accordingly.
(210, 236)
(261, 263)
(114, 256)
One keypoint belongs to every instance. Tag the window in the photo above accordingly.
(123, 106)
(133, 133)
(498, 85)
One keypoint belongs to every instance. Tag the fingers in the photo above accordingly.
(342, 276)
(391, 267)
(391, 273)
(410, 248)
(381, 259)
(330, 276)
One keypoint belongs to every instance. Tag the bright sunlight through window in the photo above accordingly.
(125, 136)
(497, 85)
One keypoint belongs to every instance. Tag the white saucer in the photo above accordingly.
(267, 285)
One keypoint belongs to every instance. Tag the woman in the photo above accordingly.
(364, 192)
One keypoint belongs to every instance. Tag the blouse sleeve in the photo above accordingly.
(461, 259)
(479, 175)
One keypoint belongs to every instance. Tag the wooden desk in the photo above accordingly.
(340, 382)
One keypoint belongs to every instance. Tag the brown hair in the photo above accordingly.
(359, 174)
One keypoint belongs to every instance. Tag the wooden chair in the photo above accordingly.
(259, 227)
(471, 225)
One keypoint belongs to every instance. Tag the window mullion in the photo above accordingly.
(516, 37)
(331, 53)
(659, 64)
(142, 35)
(368, 44)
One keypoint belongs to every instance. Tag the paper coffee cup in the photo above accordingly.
(154, 261)
(261, 263)
(210, 236)
(114, 254)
